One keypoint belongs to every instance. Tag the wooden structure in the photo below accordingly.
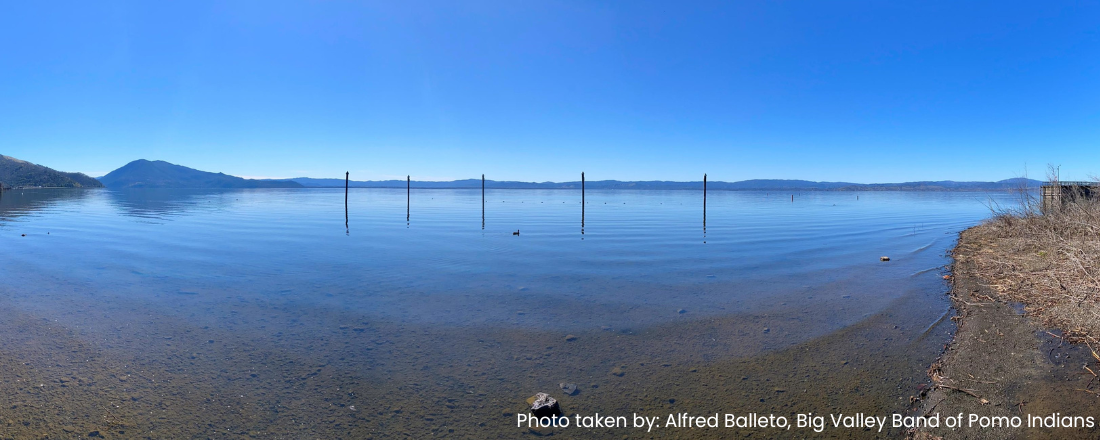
(1055, 195)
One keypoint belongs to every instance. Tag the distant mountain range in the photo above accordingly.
(160, 174)
(15, 173)
(756, 184)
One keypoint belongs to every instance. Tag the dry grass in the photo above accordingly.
(1048, 262)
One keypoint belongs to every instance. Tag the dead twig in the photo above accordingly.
(966, 391)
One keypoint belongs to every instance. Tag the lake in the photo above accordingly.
(257, 313)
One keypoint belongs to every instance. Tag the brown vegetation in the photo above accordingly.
(1049, 262)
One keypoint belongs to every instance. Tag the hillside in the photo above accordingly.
(160, 174)
(15, 173)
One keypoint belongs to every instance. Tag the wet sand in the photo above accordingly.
(1008, 365)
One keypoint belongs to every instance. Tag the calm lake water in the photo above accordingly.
(255, 313)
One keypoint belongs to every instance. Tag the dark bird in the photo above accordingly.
(516, 233)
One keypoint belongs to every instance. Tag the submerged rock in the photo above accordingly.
(568, 388)
(542, 405)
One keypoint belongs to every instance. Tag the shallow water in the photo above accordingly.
(239, 313)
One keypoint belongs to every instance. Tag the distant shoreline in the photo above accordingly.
(776, 190)
(744, 185)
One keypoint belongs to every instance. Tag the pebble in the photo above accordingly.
(570, 338)
(618, 371)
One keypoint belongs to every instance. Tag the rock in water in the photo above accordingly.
(568, 388)
(542, 405)
(884, 258)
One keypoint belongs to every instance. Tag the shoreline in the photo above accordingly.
(1001, 363)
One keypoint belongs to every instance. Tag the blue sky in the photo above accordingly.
(853, 91)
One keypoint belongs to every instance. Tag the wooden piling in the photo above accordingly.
(482, 201)
(347, 179)
(408, 196)
(582, 202)
(704, 199)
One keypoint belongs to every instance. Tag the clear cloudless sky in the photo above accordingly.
(865, 91)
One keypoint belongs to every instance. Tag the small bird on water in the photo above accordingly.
(516, 233)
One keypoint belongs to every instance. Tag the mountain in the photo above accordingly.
(948, 185)
(15, 173)
(160, 174)
(746, 185)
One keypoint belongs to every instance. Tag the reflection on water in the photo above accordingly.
(252, 313)
(15, 203)
(162, 204)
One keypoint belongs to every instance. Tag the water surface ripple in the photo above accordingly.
(256, 313)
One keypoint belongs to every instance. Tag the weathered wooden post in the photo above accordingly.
(347, 179)
(582, 202)
(482, 201)
(408, 196)
(704, 200)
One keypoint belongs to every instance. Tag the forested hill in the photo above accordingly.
(15, 173)
(160, 174)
